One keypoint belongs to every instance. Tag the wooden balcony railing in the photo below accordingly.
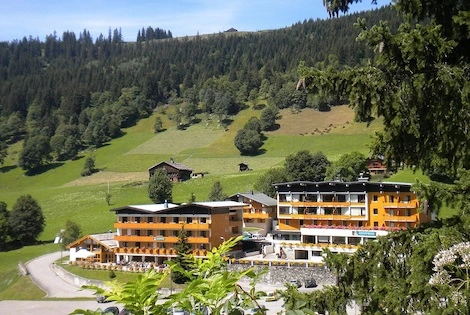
(161, 226)
(155, 251)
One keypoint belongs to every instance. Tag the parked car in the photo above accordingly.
(101, 298)
(178, 311)
(112, 310)
(272, 297)
(295, 282)
(310, 283)
(125, 311)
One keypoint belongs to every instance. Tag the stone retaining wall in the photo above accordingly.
(279, 275)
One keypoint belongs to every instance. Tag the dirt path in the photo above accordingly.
(108, 177)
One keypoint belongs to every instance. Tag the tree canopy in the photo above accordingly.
(421, 94)
(160, 187)
(26, 220)
(304, 165)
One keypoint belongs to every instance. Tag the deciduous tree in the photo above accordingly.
(347, 168)
(248, 141)
(160, 187)
(26, 220)
(71, 233)
(306, 166)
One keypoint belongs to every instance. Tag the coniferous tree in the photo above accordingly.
(89, 167)
(217, 193)
(183, 249)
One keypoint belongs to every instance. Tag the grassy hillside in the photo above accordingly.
(205, 147)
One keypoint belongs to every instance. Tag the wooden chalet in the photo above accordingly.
(177, 172)
(376, 166)
(99, 246)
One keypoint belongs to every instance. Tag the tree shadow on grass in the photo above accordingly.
(43, 168)
(257, 153)
(5, 169)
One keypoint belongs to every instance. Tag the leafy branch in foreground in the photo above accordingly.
(211, 287)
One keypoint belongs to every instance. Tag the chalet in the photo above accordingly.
(177, 172)
(260, 210)
(376, 166)
(97, 248)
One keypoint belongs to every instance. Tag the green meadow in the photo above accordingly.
(205, 147)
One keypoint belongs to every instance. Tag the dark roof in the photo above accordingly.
(258, 197)
(345, 185)
(176, 165)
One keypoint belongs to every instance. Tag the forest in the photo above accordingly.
(72, 92)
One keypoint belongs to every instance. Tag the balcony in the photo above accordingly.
(401, 218)
(155, 251)
(325, 204)
(255, 215)
(401, 205)
(160, 239)
(320, 216)
(161, 226)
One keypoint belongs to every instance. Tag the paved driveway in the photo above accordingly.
(43, 275)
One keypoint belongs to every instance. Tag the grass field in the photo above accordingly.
(123, 165)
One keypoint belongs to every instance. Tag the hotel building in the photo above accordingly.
(149, 233)
(340, 215)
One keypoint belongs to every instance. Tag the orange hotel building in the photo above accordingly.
(340, 215)
(148, 233)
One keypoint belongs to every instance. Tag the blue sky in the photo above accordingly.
(39, 18)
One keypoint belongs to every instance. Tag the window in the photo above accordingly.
(150, 219)
(359, 223)
(137, 219)
(376, 223)
(189, 233)
(137, 232)
(124, 219)
(149, 232)
(407, 198)
(175, 220)
(137, 244)
(203, 233)
(408, 212)
(315, 222)
(391, 198)
(330, 223)
(163, 233)
(189, 220)
(203, 220)
(176, 233)
(301, 222)
(375, 198)
(376, 211)
(163, 220)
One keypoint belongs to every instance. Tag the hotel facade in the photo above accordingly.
(149, 233)
(340, 215)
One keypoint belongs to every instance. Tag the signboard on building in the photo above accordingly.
(364, 233)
